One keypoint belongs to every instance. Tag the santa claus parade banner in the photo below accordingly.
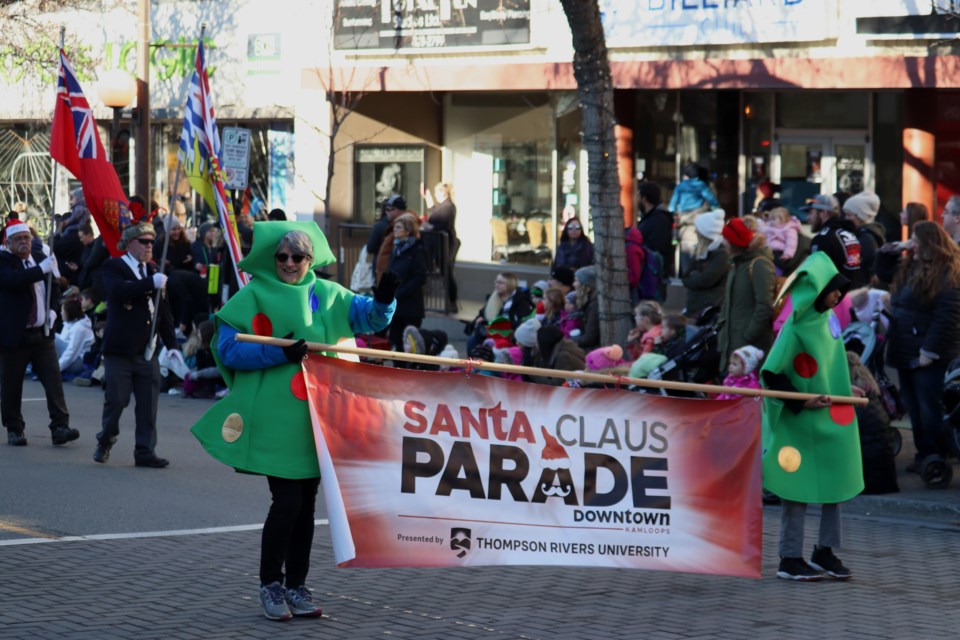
(430, 469)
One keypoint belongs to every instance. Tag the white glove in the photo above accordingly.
(49, 265)
(159, 281)
(51, 318)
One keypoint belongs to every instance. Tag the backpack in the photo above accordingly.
(653, 283)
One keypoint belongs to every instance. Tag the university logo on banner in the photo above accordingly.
(445, 470)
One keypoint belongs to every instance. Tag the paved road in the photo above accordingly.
(203, 585)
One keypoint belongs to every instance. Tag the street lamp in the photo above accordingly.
(116, 89)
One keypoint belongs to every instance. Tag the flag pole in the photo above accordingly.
(167, 225)
(53, 215)
(553, 373)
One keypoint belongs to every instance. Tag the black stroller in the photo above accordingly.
(863, 338)
(936, 470)
(698, 361)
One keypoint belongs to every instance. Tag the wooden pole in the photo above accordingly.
(553, 373)
(53, 216)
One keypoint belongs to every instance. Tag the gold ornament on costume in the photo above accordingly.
(232, 427)
(789, 459)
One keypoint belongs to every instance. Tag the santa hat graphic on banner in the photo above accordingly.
(554, 456)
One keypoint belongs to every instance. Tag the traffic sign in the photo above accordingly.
(236, 156)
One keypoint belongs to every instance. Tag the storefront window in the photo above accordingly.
(385, 171)
(501, 165)
(521, 202)
(655, 139)
(757, 129)
(269, 180)
(823, 110)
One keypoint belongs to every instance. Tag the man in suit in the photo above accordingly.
(24, 338)
(130, 283)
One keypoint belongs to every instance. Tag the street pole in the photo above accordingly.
(143, 102)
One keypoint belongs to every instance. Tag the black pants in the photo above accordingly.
(288, 531)
(123, 375)
(37, 350)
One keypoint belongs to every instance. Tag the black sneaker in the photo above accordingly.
(101, 454)
(797, 569)
(63, 435)
(824, 560)
(16, 439)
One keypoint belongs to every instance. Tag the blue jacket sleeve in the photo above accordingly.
(709, 197)
(369, 316)
(246, 356)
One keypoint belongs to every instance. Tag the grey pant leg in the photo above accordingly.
(792, 517)
(830, 525)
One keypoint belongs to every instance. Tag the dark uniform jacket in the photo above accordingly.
(128, 310)
(16, 290)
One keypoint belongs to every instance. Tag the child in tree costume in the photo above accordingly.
(263, 425)
(811, 450)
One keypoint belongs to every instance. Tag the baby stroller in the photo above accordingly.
(936, 470)
(698, 361)
(863, 339)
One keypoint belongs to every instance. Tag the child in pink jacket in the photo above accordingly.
(783, 232)
(742, 371)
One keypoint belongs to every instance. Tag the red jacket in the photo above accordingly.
(635, 256)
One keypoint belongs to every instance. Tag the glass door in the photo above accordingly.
(805, 166)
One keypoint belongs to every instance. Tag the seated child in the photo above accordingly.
(742, 371)
(554, 305)
(202, 381)
(572, 318)
(645, 364)
(75, 339)
(673, 335)
(606, 358)
(865, 302)
(537, 292)
(642, 338)
(879, 467)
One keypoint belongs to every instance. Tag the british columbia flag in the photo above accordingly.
(75, 144)
(202, 159)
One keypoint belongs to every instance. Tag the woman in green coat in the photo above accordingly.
(263, 425)
(747, 312)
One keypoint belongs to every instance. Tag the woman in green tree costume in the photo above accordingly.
(263, 425)
(811, 449)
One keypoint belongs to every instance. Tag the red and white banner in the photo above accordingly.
(428, 469)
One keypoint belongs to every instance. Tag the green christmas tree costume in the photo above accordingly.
(812, 456)
(263, 425)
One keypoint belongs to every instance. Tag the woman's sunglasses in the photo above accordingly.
(297, 257)
(573, 227)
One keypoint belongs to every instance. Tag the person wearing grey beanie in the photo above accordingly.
(587, 276)
(861, 210)
(585, 285)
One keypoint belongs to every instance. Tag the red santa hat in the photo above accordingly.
(554, 456)
(15, 226)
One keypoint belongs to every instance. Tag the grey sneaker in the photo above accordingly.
(301, 603)
(274, 606)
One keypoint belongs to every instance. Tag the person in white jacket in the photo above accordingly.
(76, 338)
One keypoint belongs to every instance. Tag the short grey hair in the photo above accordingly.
(297, 242)
(953, 204)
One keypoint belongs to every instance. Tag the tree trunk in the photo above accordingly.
(595, 88)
